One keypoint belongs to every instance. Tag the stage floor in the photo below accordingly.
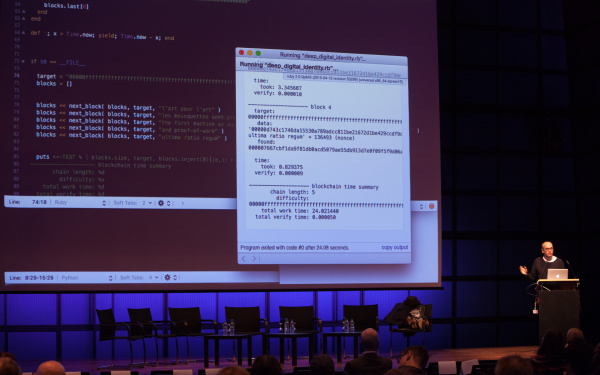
(458, 355)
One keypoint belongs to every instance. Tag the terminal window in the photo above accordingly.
(323, 159)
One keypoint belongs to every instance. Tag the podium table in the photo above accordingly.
(559, 305)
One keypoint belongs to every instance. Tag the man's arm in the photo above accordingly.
(535, 271)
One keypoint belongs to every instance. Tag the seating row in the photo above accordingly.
(187, 322)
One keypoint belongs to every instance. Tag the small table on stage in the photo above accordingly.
(338, 336)
(238, 337)
(282, 336)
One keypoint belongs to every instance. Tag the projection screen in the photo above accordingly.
(219, 145)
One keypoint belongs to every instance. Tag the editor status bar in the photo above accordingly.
(157, 203)
(136, 277)
(19, 201)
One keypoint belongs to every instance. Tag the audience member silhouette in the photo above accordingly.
(513, 365)
(572, 334)
(549, 357)
(412, 361)
(8, 355)
(322, 364)
(266, 364)
(50, 368)
(369, 363)
(578, 357)
(8, 366)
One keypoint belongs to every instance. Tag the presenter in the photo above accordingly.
(541, 265)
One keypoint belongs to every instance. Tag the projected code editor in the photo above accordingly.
(323, 157)
(101, 112)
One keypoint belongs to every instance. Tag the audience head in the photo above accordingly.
(552, 344)
(232, 370)
(574, 333)
(322, 364)
(369, 340)
(8, 355)
(8, 366)
(50, 368)
(415, 356)
(578, 357)
(513, 365)
(266, 364)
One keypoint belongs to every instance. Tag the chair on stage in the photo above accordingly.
(364, 316)
(304, 319)
(188, 323)
(406, 323)
(303, 316)
(108, 332)
(246, 320)
(149, 328)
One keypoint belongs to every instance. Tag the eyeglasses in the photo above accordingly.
(399, 357)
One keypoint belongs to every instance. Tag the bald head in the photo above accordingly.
(50, 368)
(548, 250)
(369, 339)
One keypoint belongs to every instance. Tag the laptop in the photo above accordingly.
(558, 274)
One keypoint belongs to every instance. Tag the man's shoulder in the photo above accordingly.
(368, 363)
(386, 360)
(352, 363)
(374, 355)
(368, 357)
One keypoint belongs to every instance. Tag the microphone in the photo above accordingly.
(572, 272)
(569, 264)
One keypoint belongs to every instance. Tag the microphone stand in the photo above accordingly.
(542, 286)
(572, 272)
